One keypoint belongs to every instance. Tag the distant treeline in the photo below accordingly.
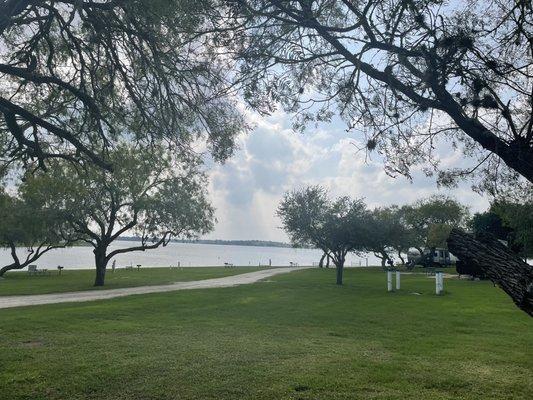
(259, 243)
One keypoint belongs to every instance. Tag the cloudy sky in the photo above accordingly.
(273, 159)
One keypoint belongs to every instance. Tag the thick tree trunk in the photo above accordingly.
(502, 266)
(101, 264)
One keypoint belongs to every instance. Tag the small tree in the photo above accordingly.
(388, 234)
(33, 225)
(149, 195)
(337, 227)
(518, 218)
(428, 218)
(489, 222)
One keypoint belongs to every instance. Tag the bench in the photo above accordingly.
(33, 270)
(228, 265)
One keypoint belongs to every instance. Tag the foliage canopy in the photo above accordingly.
(80, 76)
(407, 74)
(150, 195)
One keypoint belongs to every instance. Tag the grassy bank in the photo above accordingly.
(75, 280)
(297, 336)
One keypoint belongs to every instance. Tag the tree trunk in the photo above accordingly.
(498, 263)
(321, 263)
(327, 261)
(101, 263)
(9, 267)
(339, 259)
(383, 256)
(401, 257)
(340, 270)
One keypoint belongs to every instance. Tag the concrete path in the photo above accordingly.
(90, 295)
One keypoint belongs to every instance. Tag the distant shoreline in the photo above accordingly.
(254, 243)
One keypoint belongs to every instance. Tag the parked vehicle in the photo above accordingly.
(434, 257)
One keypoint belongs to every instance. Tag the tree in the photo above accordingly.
(519, 218)
(484, 252)
(408, 74)
(486, 256)
(32, 225)
(388, 234)
(79, 76)
(428, 218)
(150, 195)
(491, 223)
(337, 227)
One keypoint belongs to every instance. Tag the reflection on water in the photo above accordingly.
(188, 255)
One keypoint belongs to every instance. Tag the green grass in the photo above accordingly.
(295, 336)
(16, 283)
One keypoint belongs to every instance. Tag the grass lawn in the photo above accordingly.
(17, 282)
(295, 336)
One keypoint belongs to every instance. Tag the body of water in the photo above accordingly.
(187, 255)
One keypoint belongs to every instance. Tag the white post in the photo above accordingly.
(389, 281)
(439, 285)
(397, 280)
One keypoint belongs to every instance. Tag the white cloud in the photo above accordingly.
(273, 159)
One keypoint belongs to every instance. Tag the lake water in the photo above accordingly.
(187, 254)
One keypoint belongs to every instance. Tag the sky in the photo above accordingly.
(273, 159)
